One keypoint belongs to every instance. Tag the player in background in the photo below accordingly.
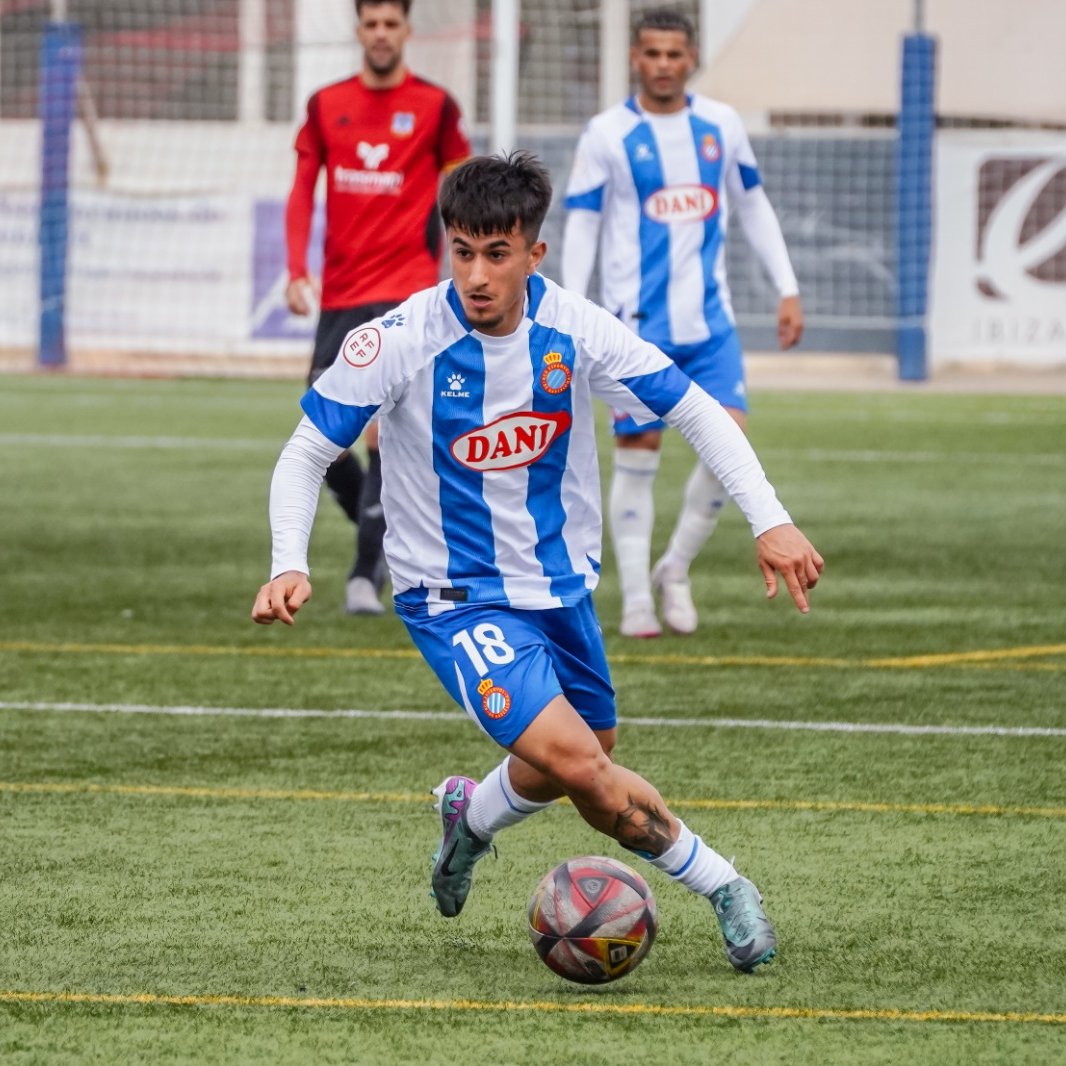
(484, 393)
(384, 137)
(662, 172)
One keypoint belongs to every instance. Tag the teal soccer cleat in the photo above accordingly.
(750, 940)
(459, 849)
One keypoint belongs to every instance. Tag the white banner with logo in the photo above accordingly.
(999, 278)
(166, 275)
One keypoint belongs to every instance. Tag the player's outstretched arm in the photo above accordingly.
(281, 598)
(785, 551)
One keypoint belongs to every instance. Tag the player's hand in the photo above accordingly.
(281, 598)
(786, 551)
(789, 322)
(302, 295)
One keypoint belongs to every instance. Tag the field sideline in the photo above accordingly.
(216, 836)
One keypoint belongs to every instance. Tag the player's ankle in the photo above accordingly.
(672, 568)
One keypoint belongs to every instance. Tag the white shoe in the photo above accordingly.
(362, 598)
(679, 612)
(640, 622)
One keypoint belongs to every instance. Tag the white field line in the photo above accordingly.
(102, 440)
(816, 455)
(447, 716)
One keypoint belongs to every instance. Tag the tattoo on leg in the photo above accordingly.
(642, 827)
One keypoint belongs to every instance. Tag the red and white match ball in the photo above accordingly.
(592, 919)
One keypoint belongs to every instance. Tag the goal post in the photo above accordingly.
(60, 69)
(914, 202)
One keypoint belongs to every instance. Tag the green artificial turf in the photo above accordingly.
(232, 889)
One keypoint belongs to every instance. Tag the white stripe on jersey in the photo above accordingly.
(409, 454)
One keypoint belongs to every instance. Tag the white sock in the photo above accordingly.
(705, 498)
(495, 805)
(690, 862)
(632, 516)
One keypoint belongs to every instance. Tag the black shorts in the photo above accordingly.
(333, 326)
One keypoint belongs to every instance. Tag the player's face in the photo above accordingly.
(490, 274)
(663, 61)
(383, 31)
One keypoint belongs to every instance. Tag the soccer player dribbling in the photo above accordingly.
(483, 391)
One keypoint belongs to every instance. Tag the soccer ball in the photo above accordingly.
(592, 919)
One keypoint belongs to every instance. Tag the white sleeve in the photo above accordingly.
(294, 495)
(590, 173)
(749, 202)
(586, 188)
(580, 240)
(765, 237)
(721, 444)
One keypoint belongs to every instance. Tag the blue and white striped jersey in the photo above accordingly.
(491, 484)
(664, 185)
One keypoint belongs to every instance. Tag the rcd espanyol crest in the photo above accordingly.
(495, 701)
(556, 375)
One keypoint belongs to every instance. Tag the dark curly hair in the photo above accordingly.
(494, 194)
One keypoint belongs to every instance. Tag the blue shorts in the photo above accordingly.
(503, 666)
(716, 365)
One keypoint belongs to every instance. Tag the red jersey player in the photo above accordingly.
(384, 137)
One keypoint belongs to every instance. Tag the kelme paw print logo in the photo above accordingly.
(395, 319)
(456, 382)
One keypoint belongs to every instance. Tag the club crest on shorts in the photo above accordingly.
(555, 377)
(495, 701)
(361, 347)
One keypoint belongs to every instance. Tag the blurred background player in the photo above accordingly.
(662, 171)
(384, 137)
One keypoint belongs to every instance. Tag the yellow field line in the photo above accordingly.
(953, 658)
(209, 649)
(206, 792)
(148, 999)
(628, 659)
(962, 658)
(826, 806)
